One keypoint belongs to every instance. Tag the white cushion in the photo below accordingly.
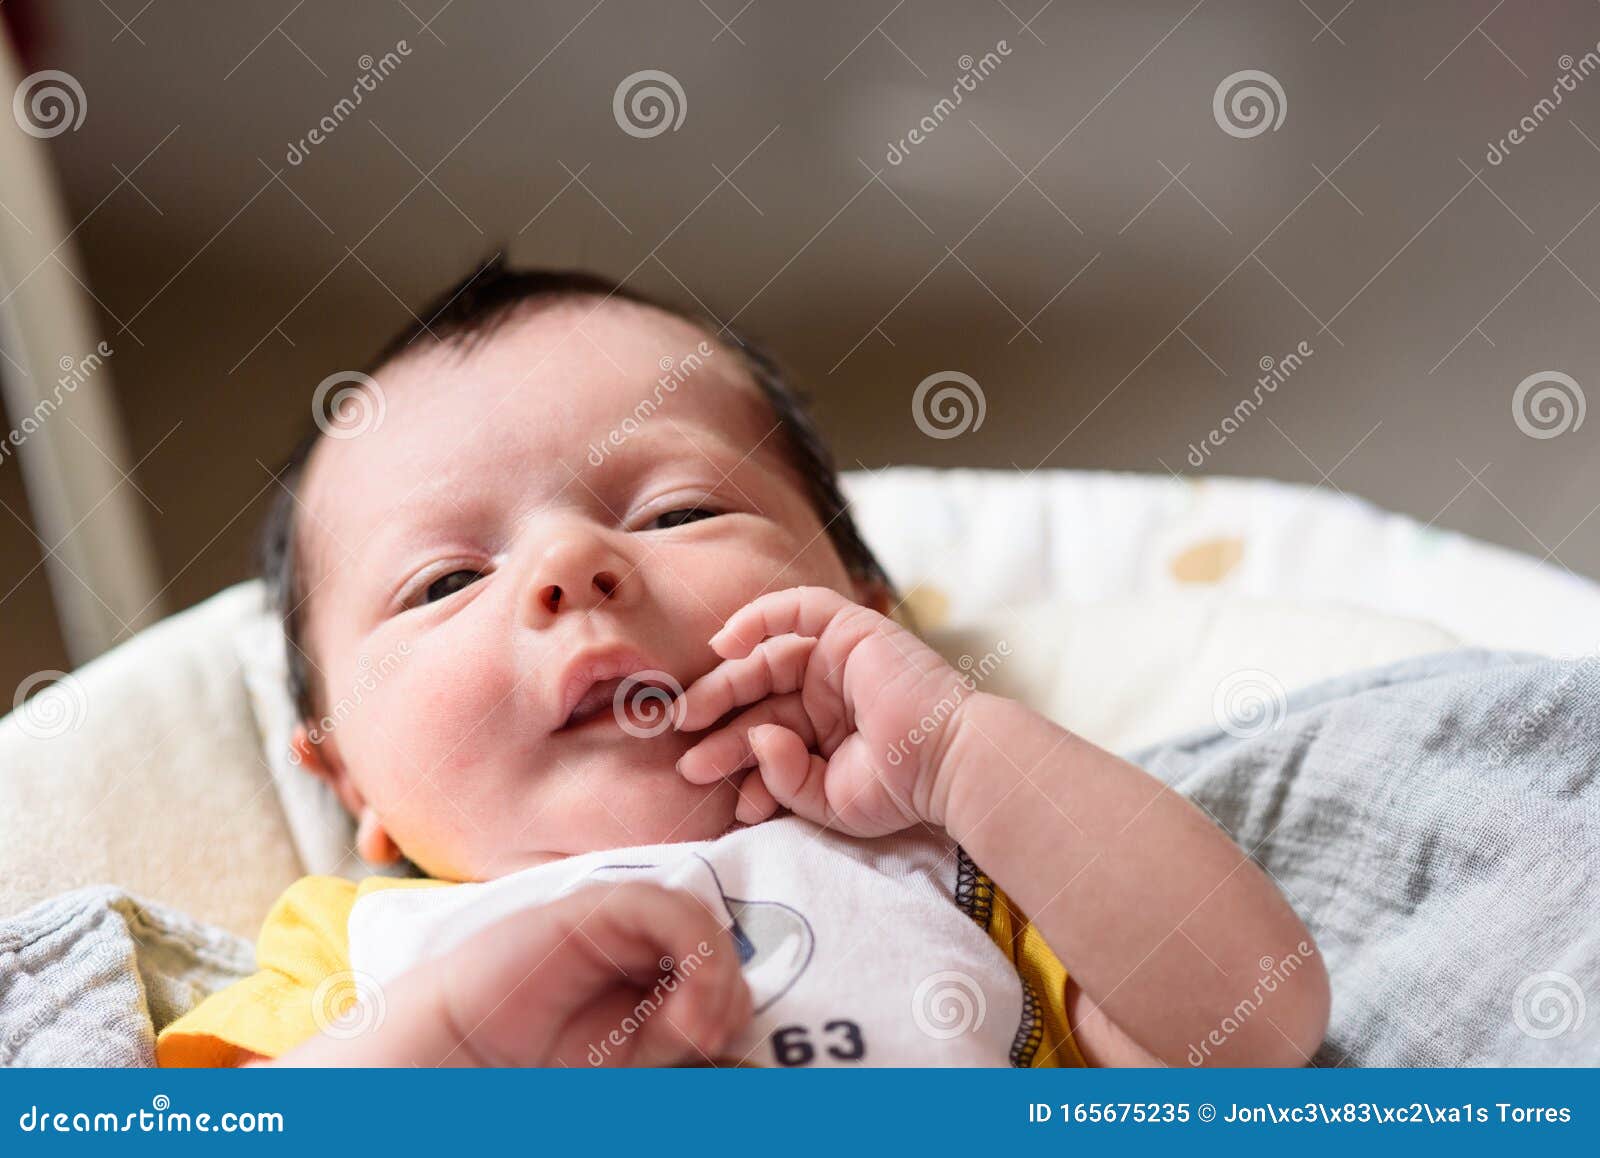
(967, 542)
(144, 769)
(1129, 672)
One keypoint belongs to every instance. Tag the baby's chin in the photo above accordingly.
(593, 803)
(642, 809)
(665, 809)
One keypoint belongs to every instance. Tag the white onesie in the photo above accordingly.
(857, 952)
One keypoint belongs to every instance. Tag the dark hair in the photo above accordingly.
(469, 313)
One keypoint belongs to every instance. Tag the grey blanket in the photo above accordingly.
(89, 977)
(1436, 823)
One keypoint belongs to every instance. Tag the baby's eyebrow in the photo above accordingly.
(695, 437)
(376, 554)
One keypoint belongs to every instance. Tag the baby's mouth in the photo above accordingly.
(628, 702)
(594, 704)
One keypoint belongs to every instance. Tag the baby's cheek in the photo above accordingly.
(440, 707)
(770, 561)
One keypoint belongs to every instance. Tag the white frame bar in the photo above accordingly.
(97, 553)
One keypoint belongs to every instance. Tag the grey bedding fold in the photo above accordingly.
(1437, 824)
(89, 977)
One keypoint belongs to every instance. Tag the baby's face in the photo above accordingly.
(516, 528)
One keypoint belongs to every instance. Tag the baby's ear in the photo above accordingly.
(321, 759)
(373, 841)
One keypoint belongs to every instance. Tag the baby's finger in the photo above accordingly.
(536, 987)
(794, 611)
(726, 750)
(656, 934)
(755, 800)
(791, 772)
(776, 667)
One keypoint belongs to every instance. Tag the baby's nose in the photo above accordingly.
(601, 586)
(575, 573)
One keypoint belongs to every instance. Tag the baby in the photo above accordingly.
(535, 526)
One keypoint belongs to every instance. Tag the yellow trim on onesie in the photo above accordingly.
(304, 946)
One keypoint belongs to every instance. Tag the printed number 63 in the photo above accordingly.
(792, 1046)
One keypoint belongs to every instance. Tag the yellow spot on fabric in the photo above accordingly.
(1208, 561)
(926, 607)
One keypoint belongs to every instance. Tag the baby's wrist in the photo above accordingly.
(954, 761)
(978, 773)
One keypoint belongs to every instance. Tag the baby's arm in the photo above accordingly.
(1165, 924)
(554, 986)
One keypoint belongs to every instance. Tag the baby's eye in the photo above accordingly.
(447, 585)
(681, 516)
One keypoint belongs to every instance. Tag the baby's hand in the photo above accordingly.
(621, 974)
(852, 713)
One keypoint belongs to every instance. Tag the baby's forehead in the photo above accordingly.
(540, 354)
(545, 376)
(546, 400)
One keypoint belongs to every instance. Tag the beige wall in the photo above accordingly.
(1421, 276)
